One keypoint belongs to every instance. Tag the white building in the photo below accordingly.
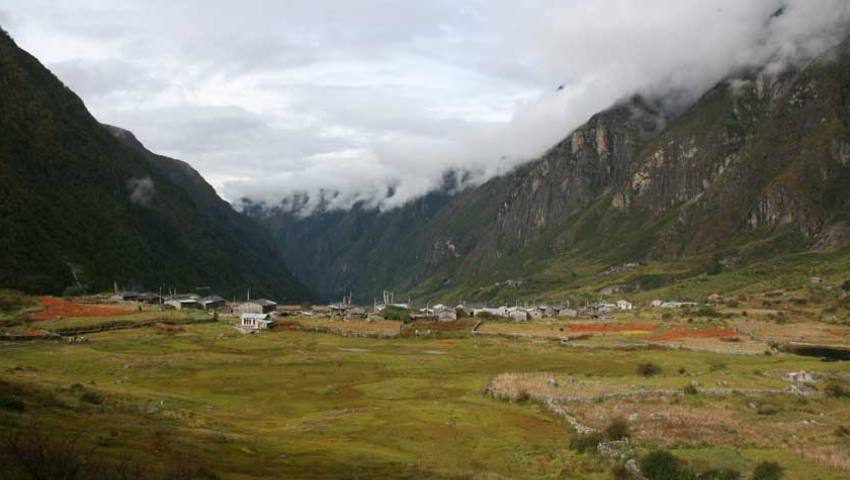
(256, 321)
(625, 305)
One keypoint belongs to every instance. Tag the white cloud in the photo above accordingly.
(357, 96)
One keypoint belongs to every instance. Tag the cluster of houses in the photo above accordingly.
(258, 314)
(254, 314)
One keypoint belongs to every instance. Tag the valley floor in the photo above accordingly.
(296, 404)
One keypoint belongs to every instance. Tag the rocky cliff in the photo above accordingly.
(758, 166)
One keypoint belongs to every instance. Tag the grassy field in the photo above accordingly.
(293, 404)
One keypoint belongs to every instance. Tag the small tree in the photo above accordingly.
(648, 369)
(768, 471)
(836, 390)
(618, 429)
(586, 442)
(663, 465)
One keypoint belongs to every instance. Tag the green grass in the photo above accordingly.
(305, 405)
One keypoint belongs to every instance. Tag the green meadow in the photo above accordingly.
(289, 404)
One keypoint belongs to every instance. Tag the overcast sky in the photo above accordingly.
(267, 99)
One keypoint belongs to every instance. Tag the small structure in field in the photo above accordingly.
(672, 304)
(800, 377)
(518, 314)
(445, 313)
(289, 310)
(490, 312)
(625, 305)
(714, 298)
(213, 302)
(183, 302)
(255, 321)
(124, 296)
(149, 297)
(259, 305)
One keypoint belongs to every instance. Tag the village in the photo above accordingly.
(662, 367)
(260, 313)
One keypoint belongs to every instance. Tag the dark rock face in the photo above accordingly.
(761, 153)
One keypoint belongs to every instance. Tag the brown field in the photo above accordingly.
(721, 333)
(381, 328)
(807, 332)
(60, 308)
(644, 327)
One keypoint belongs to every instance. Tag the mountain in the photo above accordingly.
(753, 177)
(85, 203)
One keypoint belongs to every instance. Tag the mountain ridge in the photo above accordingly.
(760, 157)
(82, 207)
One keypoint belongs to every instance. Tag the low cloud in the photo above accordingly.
(142, 191)
(374, 101)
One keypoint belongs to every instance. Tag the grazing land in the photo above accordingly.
(320, 399)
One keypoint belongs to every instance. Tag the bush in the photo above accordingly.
(707, 312)
(397, 313)
(843, 431)
(586, 442)
(91, 397)
(690, 389)
(663, 465)
(836, 390)
(73, 291)
(767, 409)
(768, 471)
(648, 369)
(12, 404)
(523, 396)
(618, 429)
(619, 472)
(723, 474)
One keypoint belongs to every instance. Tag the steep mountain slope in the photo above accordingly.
(758, 168)
(78, 205)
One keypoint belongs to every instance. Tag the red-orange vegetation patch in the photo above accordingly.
(60, 308)
(609, 328)
(839, 333)
(721, 333)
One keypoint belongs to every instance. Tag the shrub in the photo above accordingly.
(648, 369)
(843, 431)
(91, 397)
(11, 300)
(682, 370)
(716, 366)
(586, 442)
(846, 286)
(523, 396)
(12, 404)
(723, 474)
(690, 389)
(618, 429)
(707, 312)
(663, 465)
(397, 313)
(768, 471)
(767, 409)
(73, 291)
(620, 472)
(836, 390)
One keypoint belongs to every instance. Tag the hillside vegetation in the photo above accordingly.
(752, 178)
(81, 204)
